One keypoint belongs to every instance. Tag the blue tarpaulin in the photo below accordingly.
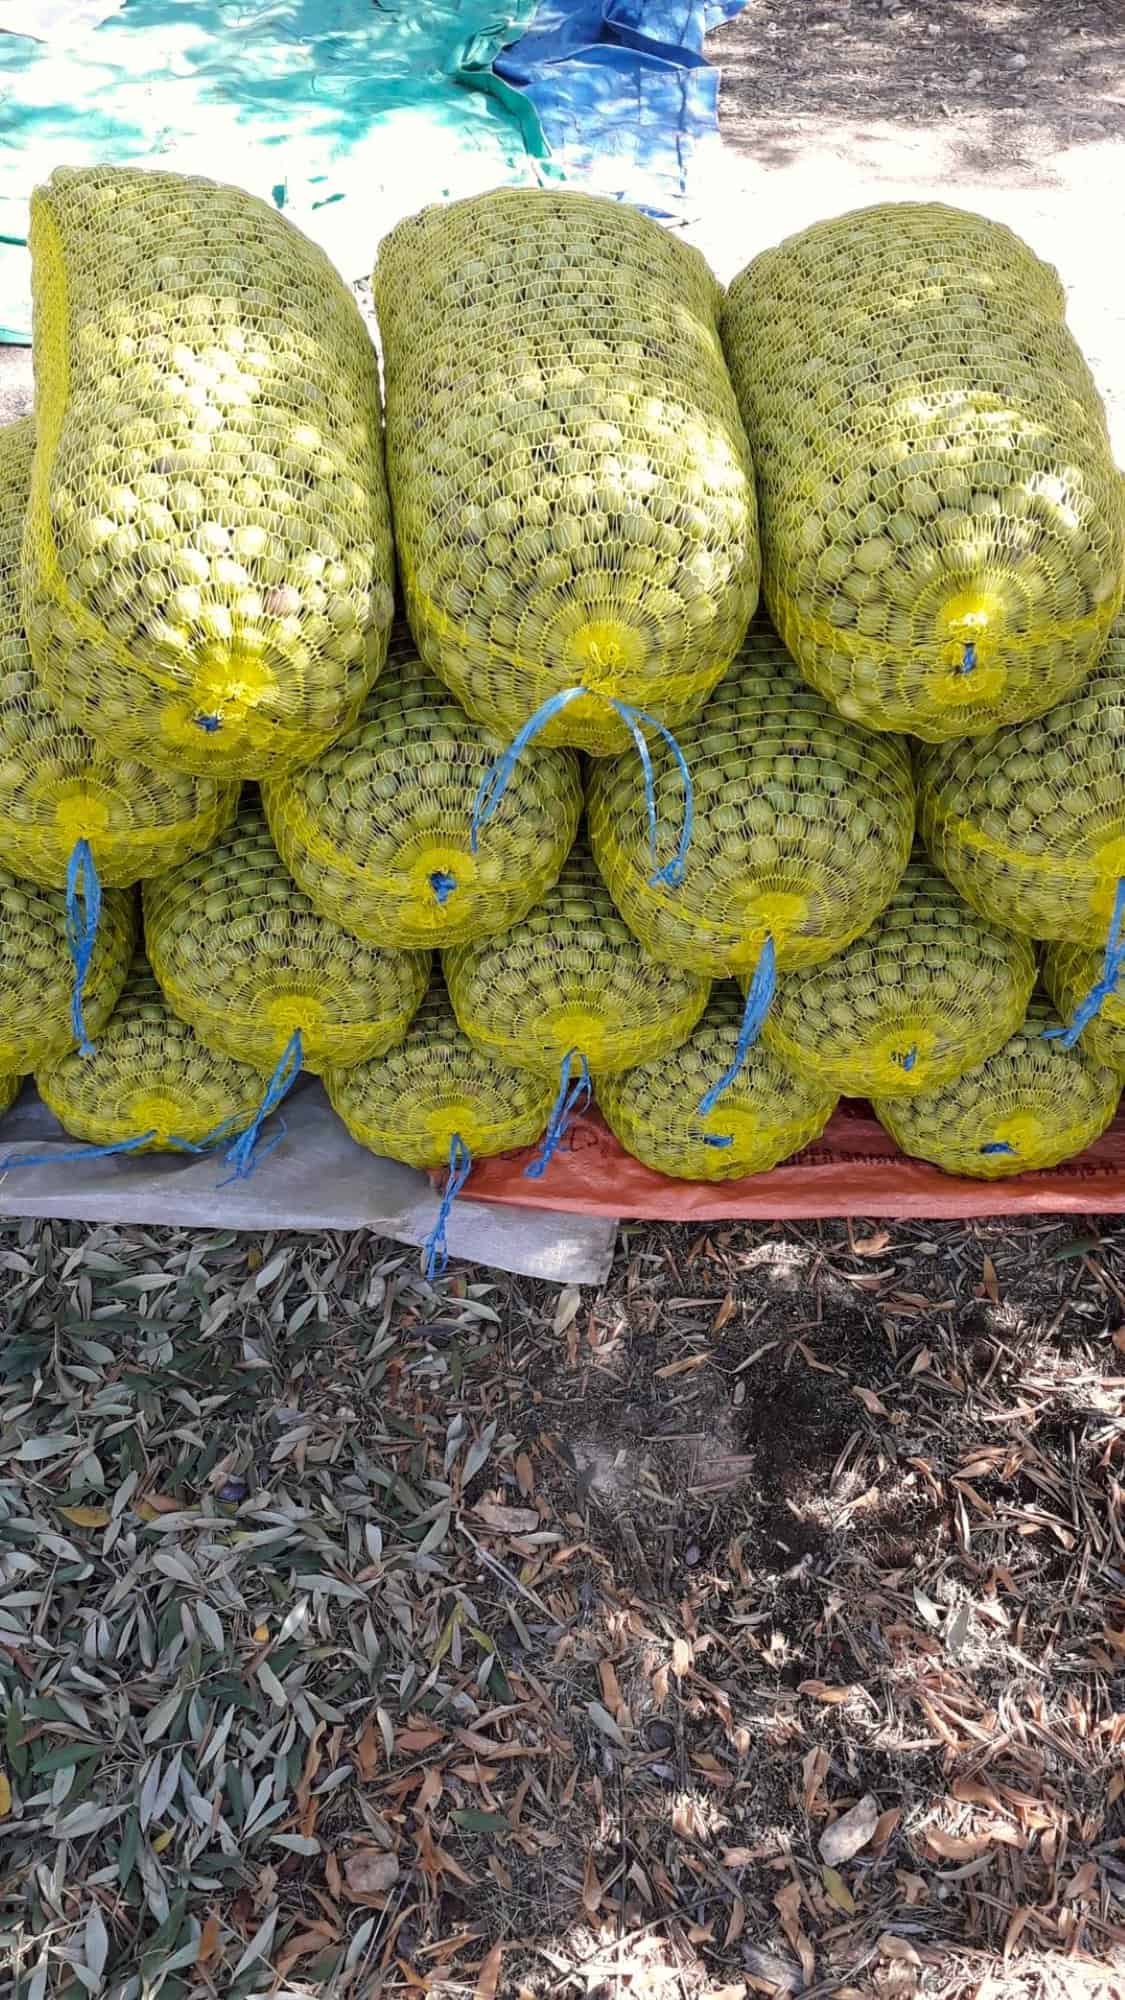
(624, 94)
(349, 114)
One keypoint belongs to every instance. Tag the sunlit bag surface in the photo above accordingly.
(574, 501)
(208, 550)
(943, 534)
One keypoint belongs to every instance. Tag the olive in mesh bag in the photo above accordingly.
(380, 831)
(926, 994)
(437, 1100)
(943, 530)
(208, 564)
(768, 1113)
(58, 985)
(1029, 823)
(150, 1085)
(59, 786)
(569, 992)
(802, 829)
(574, 502)
(1032, 1104)
(244, 958)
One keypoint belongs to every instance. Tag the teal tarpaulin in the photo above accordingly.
(347, 114)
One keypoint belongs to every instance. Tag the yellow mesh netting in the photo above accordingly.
(1029, 823)
(37, 971)
(570, 977)
(242, 955)
(1030, 1105)
(802, 826)
(926, 994)
(377, 831)
(435, 1087)
(58, 785)
(942, 526)
(574, 501)
(208, 551)
(766, 1114)
(149, 1072)
(1070, 972)
(9, 1091)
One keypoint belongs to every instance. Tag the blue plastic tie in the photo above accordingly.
(717, 1138)
(77, 1153)
(436, 1248)
(998, 1146)
(968, 657)
(1113, 964)
(907, 1061)
(208, 723)
(758, 997)
(495, 781)
(442, 885)
(244, 1155)
(83, 915)
(572, 1100)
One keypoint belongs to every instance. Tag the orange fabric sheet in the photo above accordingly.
(853, 1169)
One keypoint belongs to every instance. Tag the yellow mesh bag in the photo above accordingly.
(570, 980)
(1030, 1105)
(942, 526)
(574, 500)
(926, 994)
(9, 1091)
(1089, 994)
(1029, 823)
(802, 825)
(378, 831)
(58, 785)
(150, 1084)
(41, 1013)
(244, 958)
(208, 561)
(766, 1114)
(437, 1086)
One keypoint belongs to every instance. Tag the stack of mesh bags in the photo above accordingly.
(802, 829)
(943, 540)
(1028, 823)
(205, 584)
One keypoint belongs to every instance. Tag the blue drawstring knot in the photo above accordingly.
(717, 1138)
(495, 781)
(908, 1060)
(968, 658)
(435, 1248)
(442, 885)
(572, 1100)
(243, 1156)
(1113, 964)
(758, 998)
(208, 723)
(82, 886)
(998, 1146)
